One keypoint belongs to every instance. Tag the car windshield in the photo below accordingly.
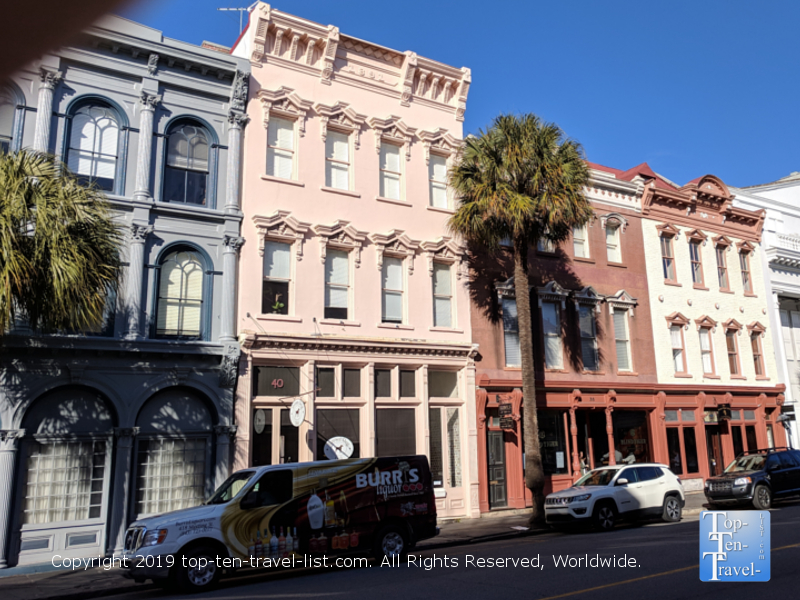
(232, 486)
(753, 462)
(597, 477)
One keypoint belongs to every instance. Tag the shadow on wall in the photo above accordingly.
(488, 270)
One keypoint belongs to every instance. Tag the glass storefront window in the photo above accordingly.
(334, 422)
(171, 474)
(289, 441)
(551, 441)
(437, 463)
(674, 449)
(395, 432)
(750, 435)
(631, 438)
(690, 446)
(262, 437)
(736, 436)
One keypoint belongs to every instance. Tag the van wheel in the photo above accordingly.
(605, 516)
(390, 541)
(200, 573)
(672, 510)
(762, 497)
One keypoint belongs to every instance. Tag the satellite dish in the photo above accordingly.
(338, 448)
(297, 414)
(259, 421)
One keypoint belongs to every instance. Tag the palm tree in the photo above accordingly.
(59, 246)
(522, 181)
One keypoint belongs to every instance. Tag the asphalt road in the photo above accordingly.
(665, 557)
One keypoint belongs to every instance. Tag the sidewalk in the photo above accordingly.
(20, 583)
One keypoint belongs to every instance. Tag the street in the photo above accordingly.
(662, 561)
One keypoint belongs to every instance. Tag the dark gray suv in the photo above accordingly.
(756, 478)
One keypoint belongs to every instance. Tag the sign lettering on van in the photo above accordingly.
(385, 478)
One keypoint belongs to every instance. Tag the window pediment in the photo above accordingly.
(745, 246)
(706, 322)
(756, 328)
(506, 289)
(393, 130)
(552, 292)
(341, 116)
(732, 324)
(440, 141)
(667, 230)
(614, 218)
(587, 295)
(395, 243)
(622, 300)
(696, 235)
(677, 318)
(285, 102)
(281, 226)
(445, 249)
(343, 236)
(722, 241)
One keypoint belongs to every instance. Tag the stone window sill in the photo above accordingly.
(282, 180)
(284, 318)
(448, 211)
(583, 259)
(627, 373)
(617, 265)
(585, 372)
(340, 322)
(750, 295)
(395, 326)
(331, 190)
(392, 201)
(762, 378)
(699, 286)
(684, 375)
(446, 329)
(739, 377)
(710, 376)
(674, 283)
(727, 291)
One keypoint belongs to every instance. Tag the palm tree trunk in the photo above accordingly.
(534, 473)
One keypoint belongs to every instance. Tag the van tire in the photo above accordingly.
(194, 579)
(390, 541)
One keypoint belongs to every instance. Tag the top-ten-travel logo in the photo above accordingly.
(734, 545)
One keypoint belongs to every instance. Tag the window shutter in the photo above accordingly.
(705, 346)
(454, 447)
(438, 177)
(277, 258)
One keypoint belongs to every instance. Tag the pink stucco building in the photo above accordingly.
(352, 297)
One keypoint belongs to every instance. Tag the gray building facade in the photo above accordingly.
(135, 418)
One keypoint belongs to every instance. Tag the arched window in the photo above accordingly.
(93, 144)
(180, 295)
(8, 106)
(186, 173)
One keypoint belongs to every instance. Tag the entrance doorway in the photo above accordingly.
(714, 447)
(498, 498)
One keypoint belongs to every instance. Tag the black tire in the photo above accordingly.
(762, 497)
(390, 541)
(193, 579)
(672, 511)
(604, 516)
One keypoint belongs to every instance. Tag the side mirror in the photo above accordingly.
(249, 501)
(622, 481)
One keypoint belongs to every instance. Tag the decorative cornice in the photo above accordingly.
(622, 300)
(732, 324)
(722, 240)
(667, 229)
(439, 140)
(552, 292)
(756, 327)
(341, 116)
(745, 246)
(284, 102)
(614, 216)
(696, 235)
(393, 130)
(281, 226)
(397, 243)
(343, 235)
(677, 318)
(705, 322)
(445, 249)
(587, 295)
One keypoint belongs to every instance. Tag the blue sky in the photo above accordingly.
(690, 87)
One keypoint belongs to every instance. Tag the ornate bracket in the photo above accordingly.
(281, 226)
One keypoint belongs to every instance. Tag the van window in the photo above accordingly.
(228, 490)
(274, 487)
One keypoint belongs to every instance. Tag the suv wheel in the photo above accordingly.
(672, 509)
(762, 497)
(605, 516)
(200, 573)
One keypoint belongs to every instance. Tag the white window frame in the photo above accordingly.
(593, 312)
(290, 243)
(615, 246)
(556, 334)
(403, 294)
(433, 183)
(348, 287)
(294, 153)
(449, 297)
(581, 234)
(503, 301)
(400, 174)
(329, 160)
(710, 352)
(627, 340)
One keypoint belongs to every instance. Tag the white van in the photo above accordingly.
(287, 515)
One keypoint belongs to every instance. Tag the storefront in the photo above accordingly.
(696, 433)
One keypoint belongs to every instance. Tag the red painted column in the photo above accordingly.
(612, 458)
(573, 429)
(483, 467)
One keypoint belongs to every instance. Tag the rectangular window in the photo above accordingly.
(437, 174)
(552, 442)
(588, 328)
(580, 242)
(707, 351)
(392, 296)
(682, 438)
(612, 243)
(289, 441)
(738, 442)
(171, 474)
(667, 258)
(744, 262)
(337, 422)
(758, 357)
(551, 327)
(622, 340)
(390, 171)
(511, 332)
(277, 276)
(280, 148)
(545, 245)
(442, 296)
(678, 358)
(697, 262)
(395, 432)
(722, 268)
(383, 383)
(261, 437)
(437, 449)
(337, 288)
(733, 355)
(690, 446)
(674, 450)
(408, 384)
(454, 447)
(65, 481)
(326, 382)
(337, 160)
(442, 384)
(282, 382)
(351, 384)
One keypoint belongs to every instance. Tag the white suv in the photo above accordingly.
(605, 495)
